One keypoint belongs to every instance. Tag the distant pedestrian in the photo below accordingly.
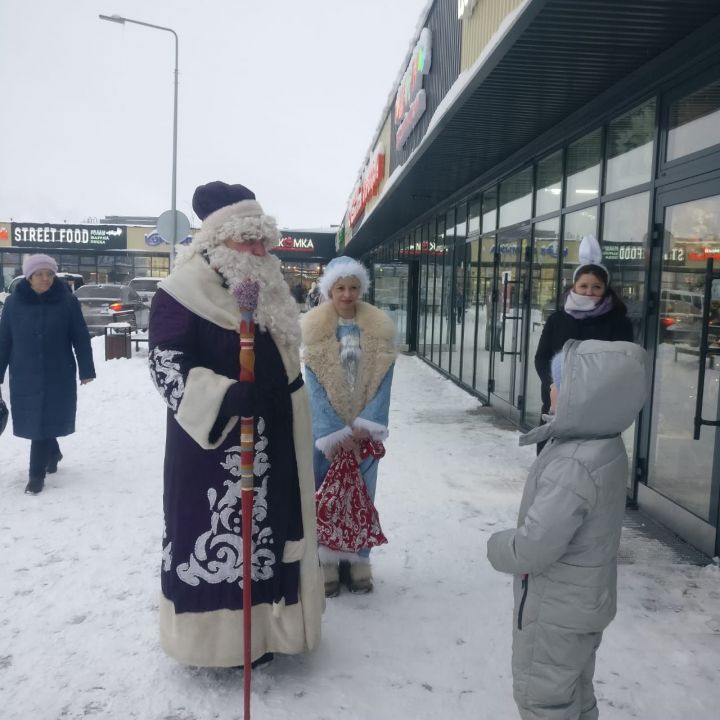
(40, 329)
(313, 297)
(563, 554)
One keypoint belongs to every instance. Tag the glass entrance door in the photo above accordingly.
(684, 465)
(508, 329)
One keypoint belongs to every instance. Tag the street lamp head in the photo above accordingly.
(113, 18)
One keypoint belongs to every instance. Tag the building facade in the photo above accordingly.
(117, 253)
(520, 126)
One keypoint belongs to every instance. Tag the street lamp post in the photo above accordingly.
(122, 20)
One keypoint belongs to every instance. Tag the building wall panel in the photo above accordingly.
(481, 25)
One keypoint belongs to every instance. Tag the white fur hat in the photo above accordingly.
(342, 267)
(590, 253)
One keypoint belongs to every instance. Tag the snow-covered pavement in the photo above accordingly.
(79, 583)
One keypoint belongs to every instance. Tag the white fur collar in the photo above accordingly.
(321, 322)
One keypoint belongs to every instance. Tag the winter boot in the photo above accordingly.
(53, 463)
(361, 577)
(35, 484)
(332, 579)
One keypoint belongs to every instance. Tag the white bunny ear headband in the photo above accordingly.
(590, 253)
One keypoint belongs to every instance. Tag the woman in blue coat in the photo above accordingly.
(41, 326)
(349, 353)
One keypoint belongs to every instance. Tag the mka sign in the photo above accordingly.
(57, 237)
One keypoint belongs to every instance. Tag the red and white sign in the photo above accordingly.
(368, 185)
(296, 244)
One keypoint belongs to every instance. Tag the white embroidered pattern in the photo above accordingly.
(217, 556)
(166, 376)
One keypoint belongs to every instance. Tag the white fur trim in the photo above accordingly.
(328, 556)
(336, 269)
(200, 405)
(244, 216)
(215, 639)
(377, 431)
(294, 551)
(326, 444)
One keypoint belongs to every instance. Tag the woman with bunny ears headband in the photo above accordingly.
(591, 310)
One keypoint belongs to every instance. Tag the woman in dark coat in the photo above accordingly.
(591, 311)
(40, 327)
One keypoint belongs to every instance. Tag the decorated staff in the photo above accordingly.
(246, 295)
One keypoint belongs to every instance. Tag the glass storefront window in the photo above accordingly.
(489, 210)
(474, 216)
(625, 250)
(461, 223)
(694, 122)
(549, 184)
(577, 224)
(583, 169)
(391, 286)
(516, 198)
(630, 143)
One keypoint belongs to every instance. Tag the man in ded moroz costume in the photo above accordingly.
(194, 363)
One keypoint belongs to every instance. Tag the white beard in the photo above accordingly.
(276, 310)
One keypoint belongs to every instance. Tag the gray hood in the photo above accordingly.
(604, 386)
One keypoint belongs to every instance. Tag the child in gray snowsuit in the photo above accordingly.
(563, 553)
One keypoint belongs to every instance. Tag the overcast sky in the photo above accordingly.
(283, 96)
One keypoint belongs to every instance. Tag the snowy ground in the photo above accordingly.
(79, 584)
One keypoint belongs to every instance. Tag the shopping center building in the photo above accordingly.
(517, 127)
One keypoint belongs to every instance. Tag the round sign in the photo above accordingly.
(165, 226)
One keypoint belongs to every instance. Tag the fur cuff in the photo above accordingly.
(326, 444)
(200, 405)
(378, 432)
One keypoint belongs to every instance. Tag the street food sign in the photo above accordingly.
(411, 101)
(49, 236)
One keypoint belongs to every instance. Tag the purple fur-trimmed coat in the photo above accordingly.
(193, 362)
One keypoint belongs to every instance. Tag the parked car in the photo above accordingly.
(680, 316)
(106, 303)
(72, 280)
(146, 287)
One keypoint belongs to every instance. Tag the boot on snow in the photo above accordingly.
(361, 577)
(53, 463)
(35, 484)
(332, 579)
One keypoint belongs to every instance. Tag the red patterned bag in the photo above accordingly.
(346, 517)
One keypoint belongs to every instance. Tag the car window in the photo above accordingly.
(144, 285)
(133, 296)
(99, 291)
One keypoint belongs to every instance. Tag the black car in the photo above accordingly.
(107, 303)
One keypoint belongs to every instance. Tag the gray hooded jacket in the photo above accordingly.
(573, 504)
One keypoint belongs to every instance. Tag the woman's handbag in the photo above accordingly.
(4, 414)
(347, 520)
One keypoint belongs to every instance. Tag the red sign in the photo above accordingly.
(4, 234)
(368, 186)
(706, 254)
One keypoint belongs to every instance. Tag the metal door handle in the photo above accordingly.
(704, 352)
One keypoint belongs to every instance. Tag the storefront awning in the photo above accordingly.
(557, 57)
